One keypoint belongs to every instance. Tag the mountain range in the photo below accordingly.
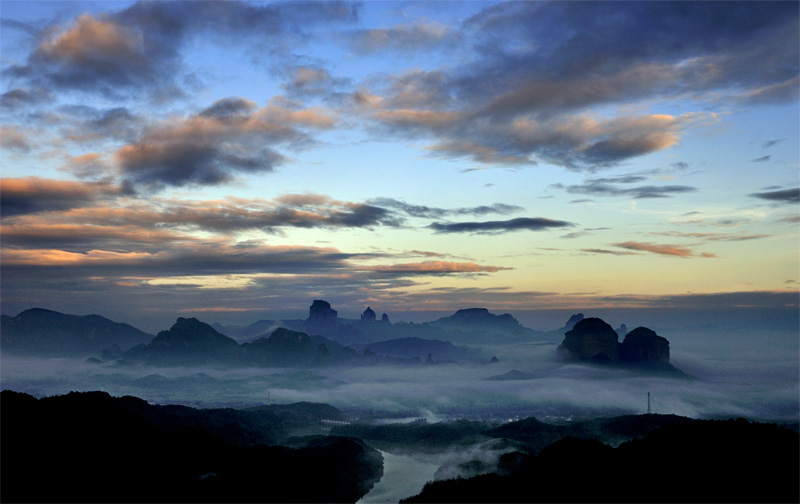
(49, 333)
(318, 340)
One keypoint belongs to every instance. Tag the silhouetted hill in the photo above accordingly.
(49, 333)
(696, 461)
(187, 342)
(593, 340)
(91, 447)
(282, 346)
(190, 342)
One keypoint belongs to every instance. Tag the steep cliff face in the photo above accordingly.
(591, 339)
(644, 345)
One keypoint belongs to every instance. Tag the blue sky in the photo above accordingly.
(237, 159)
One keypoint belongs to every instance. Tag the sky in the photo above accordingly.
(236, 160)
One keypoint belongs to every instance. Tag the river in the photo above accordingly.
(403, 476)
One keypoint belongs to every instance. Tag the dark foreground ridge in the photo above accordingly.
(91, 447)
(696, 461)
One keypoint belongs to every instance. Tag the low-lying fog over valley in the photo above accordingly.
(433, 408)
(728, 371)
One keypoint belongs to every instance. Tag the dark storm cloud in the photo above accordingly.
(534, 100)
(424, 211)
(139, 47)
(783, 196)
(518, 224)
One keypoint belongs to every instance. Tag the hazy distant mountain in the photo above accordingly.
(49, 333)
(408, 348)
(190, 342)
(187, 342)
(475, 326)
(91, 447)
(514, 374)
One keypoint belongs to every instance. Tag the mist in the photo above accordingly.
(733, 373)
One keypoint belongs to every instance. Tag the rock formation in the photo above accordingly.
(644, 345)
(368, 315)
(591, 339)
(321, 311)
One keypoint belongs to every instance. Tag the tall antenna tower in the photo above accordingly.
(648, 403)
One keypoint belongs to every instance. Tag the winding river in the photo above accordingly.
(403, 476)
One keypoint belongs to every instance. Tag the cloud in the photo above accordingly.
(20, 99)
(606, 251)
(610, 187)
(33, 195)
(715, 236)
(14, 138)
(138, 48)
(416, 36)
(437, 213)
(309, 81)
(518, 224)
(152, 217)
(434, 268)
(523, 103)
(782, 196)
(180, 260)
(769, 143)
(662, 249)
(208, 148)
(761, 159)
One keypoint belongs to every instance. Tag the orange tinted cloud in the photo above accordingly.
(91, 39)
(663, 249)
(436, 267)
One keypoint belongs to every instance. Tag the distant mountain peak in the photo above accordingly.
(321, 311)
(480, 315)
